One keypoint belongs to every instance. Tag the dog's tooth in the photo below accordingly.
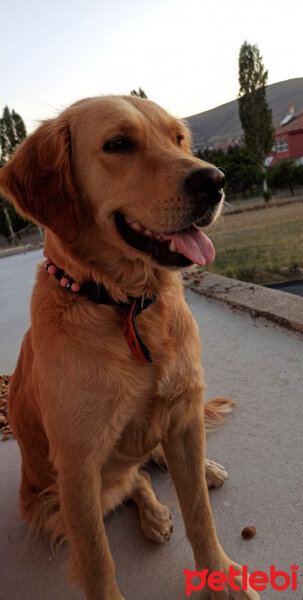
(129, 220)
(172, 246)
(136, 226)
(147, 232)
(158, 236)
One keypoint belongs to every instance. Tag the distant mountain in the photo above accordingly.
(222, 124)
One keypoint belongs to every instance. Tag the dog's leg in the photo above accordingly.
(80, 488)
(184, 449)
(156, 520)
(215, 473)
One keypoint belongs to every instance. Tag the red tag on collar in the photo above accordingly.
(135, 344)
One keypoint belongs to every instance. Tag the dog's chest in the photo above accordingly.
(144, 431)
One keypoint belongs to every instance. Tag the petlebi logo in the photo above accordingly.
(257, 580)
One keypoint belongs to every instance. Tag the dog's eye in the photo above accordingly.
(179, 139)
(119, 144)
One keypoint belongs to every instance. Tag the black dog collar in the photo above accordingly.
(98, 293)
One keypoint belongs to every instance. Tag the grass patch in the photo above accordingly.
(264, 246)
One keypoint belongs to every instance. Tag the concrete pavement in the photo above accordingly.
(261, 447)
(283, 309)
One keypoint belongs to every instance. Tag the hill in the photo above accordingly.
(222, 124)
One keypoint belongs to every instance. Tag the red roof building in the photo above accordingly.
(288, 139)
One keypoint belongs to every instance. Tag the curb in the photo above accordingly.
(21, 249)
(279, 307)
(235, 210)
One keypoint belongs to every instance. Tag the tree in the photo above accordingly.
(284, 174)
(12, 133)
(242, 174)
(299, 175)
(254, 112)
(140, 93)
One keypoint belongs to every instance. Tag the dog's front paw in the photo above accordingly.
(215, 474)
(225, 580)
(229, 594)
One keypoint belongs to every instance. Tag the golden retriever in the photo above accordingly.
(109, 372)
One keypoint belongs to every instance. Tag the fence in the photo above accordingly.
(31, 234)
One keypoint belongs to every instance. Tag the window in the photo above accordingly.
(281, 145)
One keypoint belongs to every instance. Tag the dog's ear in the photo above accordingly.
(38, 180)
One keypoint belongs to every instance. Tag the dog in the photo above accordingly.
(109, 373)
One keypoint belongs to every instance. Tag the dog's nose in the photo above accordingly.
(205, 184)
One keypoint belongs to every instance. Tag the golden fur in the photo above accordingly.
(87, 415)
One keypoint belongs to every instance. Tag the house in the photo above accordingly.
(288, 139)
(224, 146)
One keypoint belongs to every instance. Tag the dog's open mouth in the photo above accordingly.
(176, 249)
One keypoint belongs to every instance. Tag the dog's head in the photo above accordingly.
(122, 168)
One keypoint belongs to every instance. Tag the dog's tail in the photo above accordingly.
(216, 412)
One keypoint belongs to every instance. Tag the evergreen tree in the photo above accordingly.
(254, 112)
(12, 133)
(140, 93)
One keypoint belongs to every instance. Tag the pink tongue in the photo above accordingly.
(194, 244)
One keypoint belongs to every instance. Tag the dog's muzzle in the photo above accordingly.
(205, 186)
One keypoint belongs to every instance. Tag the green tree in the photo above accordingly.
(140, 93)
(12, 133)
(242, 174)
(299, 175)
(284, 174)
(254, 112)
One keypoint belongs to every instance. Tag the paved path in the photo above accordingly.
(261, 447)
(17, 276)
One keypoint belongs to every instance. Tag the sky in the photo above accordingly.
(184, 54)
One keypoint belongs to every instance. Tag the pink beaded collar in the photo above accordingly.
(98, 293)
(64, 279)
